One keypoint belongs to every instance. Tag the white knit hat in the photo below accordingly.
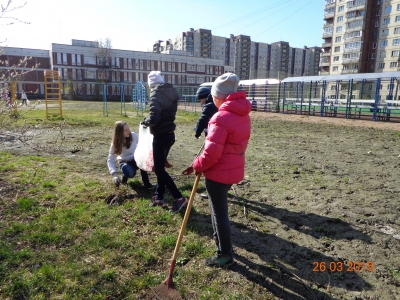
(155, 78)
(224, 85)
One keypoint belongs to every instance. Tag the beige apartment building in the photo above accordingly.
(247, 58)
(360, 36)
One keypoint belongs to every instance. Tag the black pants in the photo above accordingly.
(218, 200)
(161, 146)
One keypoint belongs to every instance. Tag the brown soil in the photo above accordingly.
(319, 195)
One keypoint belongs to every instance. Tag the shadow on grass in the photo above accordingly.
(282, 266)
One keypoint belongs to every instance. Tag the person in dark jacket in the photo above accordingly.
(203, 94)
(163, 106)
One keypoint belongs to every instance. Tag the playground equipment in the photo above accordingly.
(139, 97)
(52, 92)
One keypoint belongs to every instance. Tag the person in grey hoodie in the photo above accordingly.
(163, 106)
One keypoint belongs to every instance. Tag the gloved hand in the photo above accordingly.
(144, 123)
(116, 180)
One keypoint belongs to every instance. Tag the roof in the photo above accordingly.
(345, 77)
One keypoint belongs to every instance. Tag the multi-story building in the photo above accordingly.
(85, 68)
(247, 58)
(360, 36)
(31, 81)
(279, 66)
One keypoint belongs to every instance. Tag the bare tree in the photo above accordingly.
(9, 71)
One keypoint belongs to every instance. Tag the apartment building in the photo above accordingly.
(386, 34)
(247, 58)
(360, 36)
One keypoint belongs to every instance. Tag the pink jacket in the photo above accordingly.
(223, 157)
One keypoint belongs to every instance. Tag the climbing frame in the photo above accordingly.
(52, 90)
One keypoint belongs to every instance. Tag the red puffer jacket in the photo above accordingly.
(223, 157)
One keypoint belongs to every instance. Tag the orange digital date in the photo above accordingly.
(348, 266)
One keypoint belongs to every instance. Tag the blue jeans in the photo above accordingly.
(128, 170)
(218, 200)
(161, 146)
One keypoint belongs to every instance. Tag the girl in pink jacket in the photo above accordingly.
(223, 159)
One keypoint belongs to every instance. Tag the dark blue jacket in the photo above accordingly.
(209, 109)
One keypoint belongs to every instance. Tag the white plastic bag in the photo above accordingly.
(144, 150)
(27, 102)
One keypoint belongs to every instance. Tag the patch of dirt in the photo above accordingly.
(317, 214)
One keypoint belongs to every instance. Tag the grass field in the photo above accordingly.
(313, 192)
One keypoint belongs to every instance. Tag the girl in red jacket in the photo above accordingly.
(222, 161)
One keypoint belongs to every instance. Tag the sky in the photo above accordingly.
(136, 25)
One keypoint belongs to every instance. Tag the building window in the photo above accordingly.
(378, 12)
(382, 54)
(381, 65)
(90, 74)
(398, 6)
(393, 64)
(59, 60)
(384, 43)
(335, 68)
(339, 29)
(338, 39)
(73, 59)
(386, 21)
(65, 59)
(148, 65)
(341, 8)
(191, 68)
(340, 19)
(397, 19)
(385, 32)
(336, 58)
(395, 53)
(129, 63)
(388, 9)
(337, 49)
(78, 59)
(396, 42)
(374, 46)
(373, 56)
(376, 23)
(396, 30)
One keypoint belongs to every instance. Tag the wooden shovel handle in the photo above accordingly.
(186, 217)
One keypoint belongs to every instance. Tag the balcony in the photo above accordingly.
(324, 63)
(350, 60)
(327, 35)
(353, 71)
(326, 45)
(359, 4)
(325, 54)
(327, 6)
(353, 39)
(351, 50)
(329, 16)
(323, 73)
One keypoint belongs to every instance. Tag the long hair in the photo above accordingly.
(118, 138)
